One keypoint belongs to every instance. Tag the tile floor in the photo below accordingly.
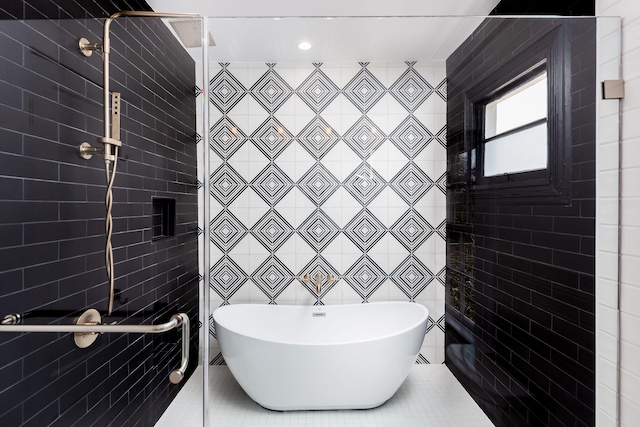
(430, 397)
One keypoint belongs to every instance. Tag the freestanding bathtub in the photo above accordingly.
(321, 357)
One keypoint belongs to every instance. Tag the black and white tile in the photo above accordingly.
(272, 230)
(364, 90)
(318, 230)
(318, 184)
(272, 277)
(225, 138)
(365, 277)
(225, 91)
(331, 169)
(272, 184)
(318, 137)
(317, 90)
(271, 90)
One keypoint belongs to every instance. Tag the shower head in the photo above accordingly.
(189, 32)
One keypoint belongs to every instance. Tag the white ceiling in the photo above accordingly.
(338, 30)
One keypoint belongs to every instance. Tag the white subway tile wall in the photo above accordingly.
(629, 373)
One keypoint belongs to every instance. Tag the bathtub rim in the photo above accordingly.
(423, 319)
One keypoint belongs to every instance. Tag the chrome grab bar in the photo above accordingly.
(9, 324)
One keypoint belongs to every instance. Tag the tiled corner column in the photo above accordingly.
(607, 223)
(329, 168)
(628, 344)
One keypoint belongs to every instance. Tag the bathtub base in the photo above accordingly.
(323, 408)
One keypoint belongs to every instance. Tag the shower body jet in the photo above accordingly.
(111, 139)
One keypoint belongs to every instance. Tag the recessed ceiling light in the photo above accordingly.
(304, 46)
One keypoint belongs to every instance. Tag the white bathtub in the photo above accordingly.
(328, 357)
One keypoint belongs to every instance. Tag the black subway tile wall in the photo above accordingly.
(52, 209)
(562, 7)
(520, 290)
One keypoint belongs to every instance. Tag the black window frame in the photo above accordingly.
(550, 53)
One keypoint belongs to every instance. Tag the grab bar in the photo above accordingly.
(9, 324)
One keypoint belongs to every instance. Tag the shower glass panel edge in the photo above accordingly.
(206, 303)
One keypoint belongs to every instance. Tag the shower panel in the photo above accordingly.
(111, 139)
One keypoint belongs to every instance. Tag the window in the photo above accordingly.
(518, 117)
(515, 129)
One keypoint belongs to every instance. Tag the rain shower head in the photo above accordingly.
(189, 31)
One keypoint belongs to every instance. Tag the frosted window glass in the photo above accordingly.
(519, 152)
(523, 105)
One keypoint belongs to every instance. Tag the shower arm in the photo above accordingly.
(10, 324)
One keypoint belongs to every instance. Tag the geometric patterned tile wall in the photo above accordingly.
(330, 168)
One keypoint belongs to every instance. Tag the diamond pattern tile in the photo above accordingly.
(317, 90)
(318, 230)
(365, 277)
(272, 278)
(271, 135)
(226, 231)
(411, 137)
(441, 183)
(412, 230)
(421, 360)
(271, 138)
(364, 230)
(318, 184)
(319, 265)
(226, 277)
(364, 137)
(271, 91)
(441, 229)
(430, 324)
(218, 360)
(364, 90)
(318, 138)
(441, 89)
(442, 276)
(212, 327)
(225, 91)
(272, 230)
(272, 184)
(225, 138)
(411, 183)
(226, 184)
(412, 277)
(364, 184)
(411, 89)
(442, 323)
(441, 136)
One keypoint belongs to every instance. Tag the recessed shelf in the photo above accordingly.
(163, 218)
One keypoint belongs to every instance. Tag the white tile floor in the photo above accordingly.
(430, 397)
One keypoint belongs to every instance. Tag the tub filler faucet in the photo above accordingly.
(317, 280)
